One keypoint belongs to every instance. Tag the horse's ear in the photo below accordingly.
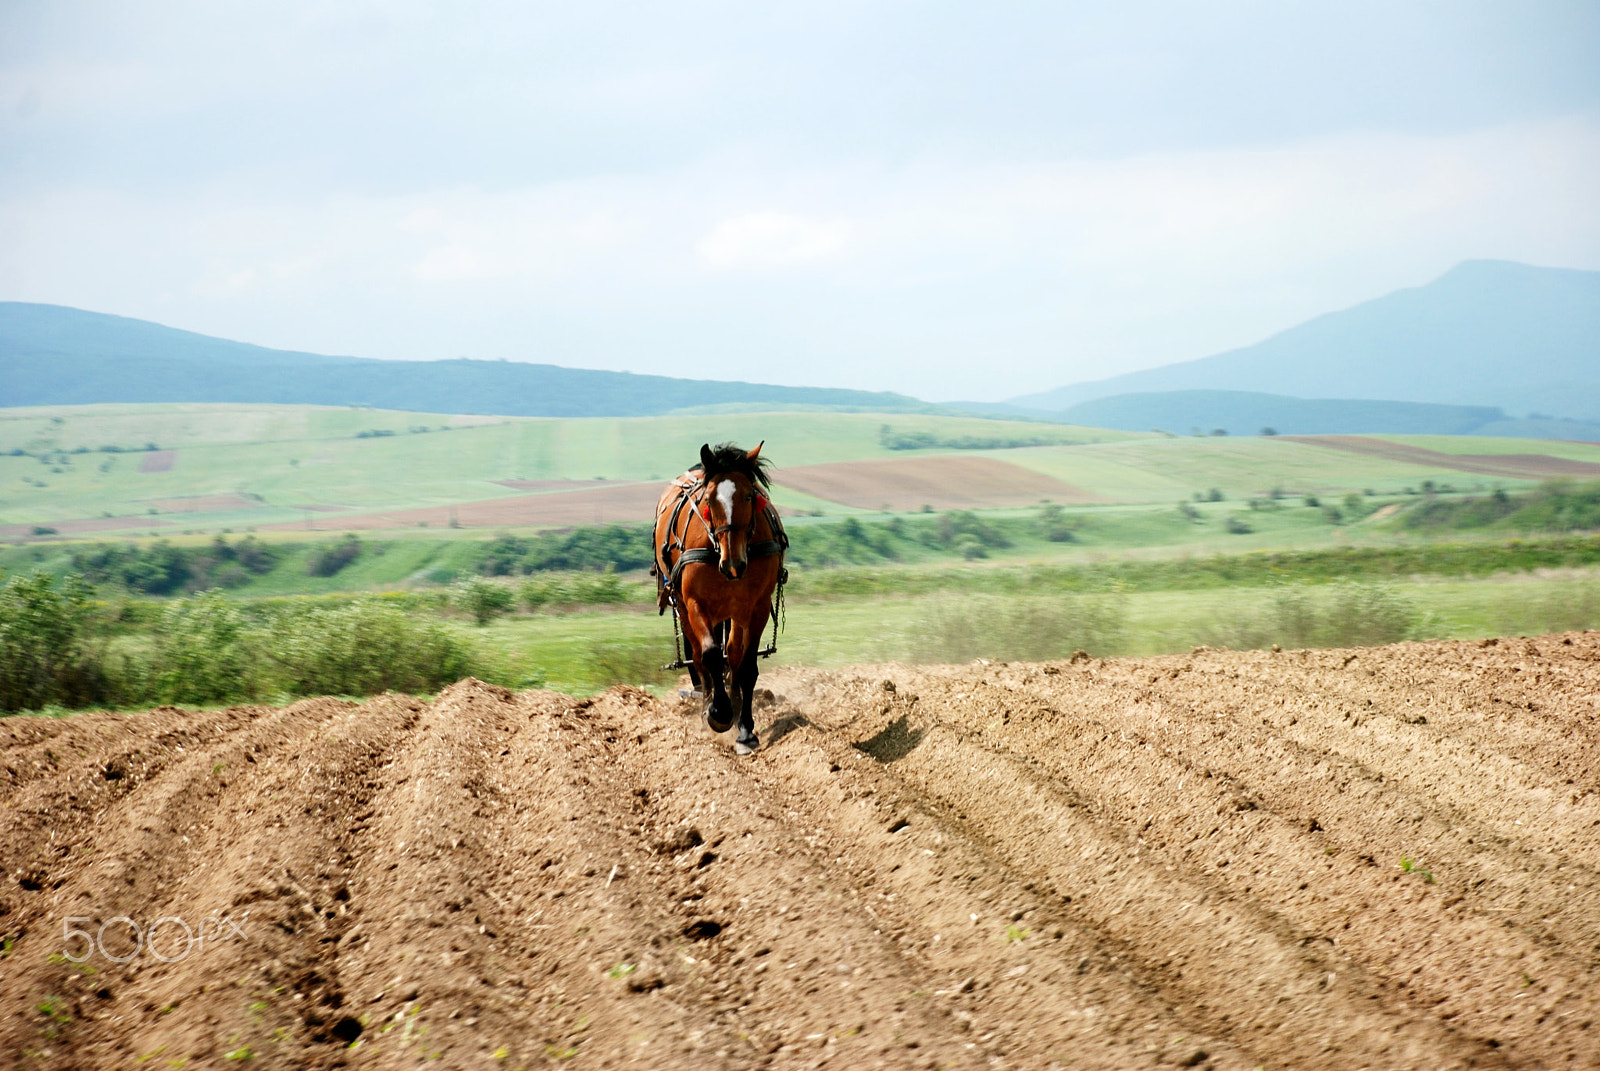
(752, 455)
(706, 460)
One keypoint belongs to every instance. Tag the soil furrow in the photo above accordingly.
(1381, 858)
(1211, 943)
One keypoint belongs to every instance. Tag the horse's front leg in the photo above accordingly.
(713, 666)
(744, 643)
(745, 682)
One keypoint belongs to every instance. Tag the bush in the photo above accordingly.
(613, 546)
(1054, 526)
(330, 560)
(361, 648)
(1556, 506)
(1348, 615)
(1237, 525)
(964, 523)
(482, 598)
(163, 569)
(551, 590)
(959, 630)
(44, 657)
(201, 653)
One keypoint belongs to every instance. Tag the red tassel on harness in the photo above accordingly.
(761, 503)
(705, 509)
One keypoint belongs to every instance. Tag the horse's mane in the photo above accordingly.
(726, 457)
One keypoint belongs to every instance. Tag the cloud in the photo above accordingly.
(768, 240)
(940, 277)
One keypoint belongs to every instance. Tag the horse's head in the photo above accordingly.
(733, 500)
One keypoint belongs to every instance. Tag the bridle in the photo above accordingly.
(758, 506)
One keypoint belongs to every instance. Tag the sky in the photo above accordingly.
(953, 201)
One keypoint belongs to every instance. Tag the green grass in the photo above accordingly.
(286, 459)
(1483, 444)
(1166, 469)
(827, 633)
(298, 456)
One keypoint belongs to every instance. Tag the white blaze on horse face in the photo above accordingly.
(725, 493)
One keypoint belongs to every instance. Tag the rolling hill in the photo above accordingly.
(52, 355)
(1486, 333)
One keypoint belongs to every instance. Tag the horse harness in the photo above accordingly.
(668, 581)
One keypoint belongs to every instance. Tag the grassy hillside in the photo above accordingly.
(53, 464)
(185, 471)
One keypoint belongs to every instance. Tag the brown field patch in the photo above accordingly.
(204, 504)
(632, 503)
(1380, 858)
(157, 460)
(1513, 466)
(943, 482)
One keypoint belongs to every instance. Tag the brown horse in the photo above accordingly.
(719, 561)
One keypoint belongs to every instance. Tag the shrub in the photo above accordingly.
(330, 560)
(201, 653)
(482, 598)
(958, 630)
(1054, 526)
(44, 657)
(1347, 615)
(163, 569)
(953, 526)
(1237, 525)
(549, 590)
(361, 648)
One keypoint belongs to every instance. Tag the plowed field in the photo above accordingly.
(1516, 466)
(944, 482)
(1380, 858)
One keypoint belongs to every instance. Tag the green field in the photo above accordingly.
(287, 458)
(1215, 540)
(288, 464)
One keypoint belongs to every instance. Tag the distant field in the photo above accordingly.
(1536, 466)
(1165, 469)
(302, 462)
(166, 470)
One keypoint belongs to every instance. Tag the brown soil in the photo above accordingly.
(614, 504)
(941, 482)
(1515, 466)
(1181, 861)
(157, 460)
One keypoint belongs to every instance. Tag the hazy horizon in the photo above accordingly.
(944, 202)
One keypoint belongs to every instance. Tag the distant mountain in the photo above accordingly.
(52, 355)
(1250, 412)
(1486, 333)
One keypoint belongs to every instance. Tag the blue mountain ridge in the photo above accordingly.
(1486, 333)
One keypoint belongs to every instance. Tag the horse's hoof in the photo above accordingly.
(742, 748)
(716, 724)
